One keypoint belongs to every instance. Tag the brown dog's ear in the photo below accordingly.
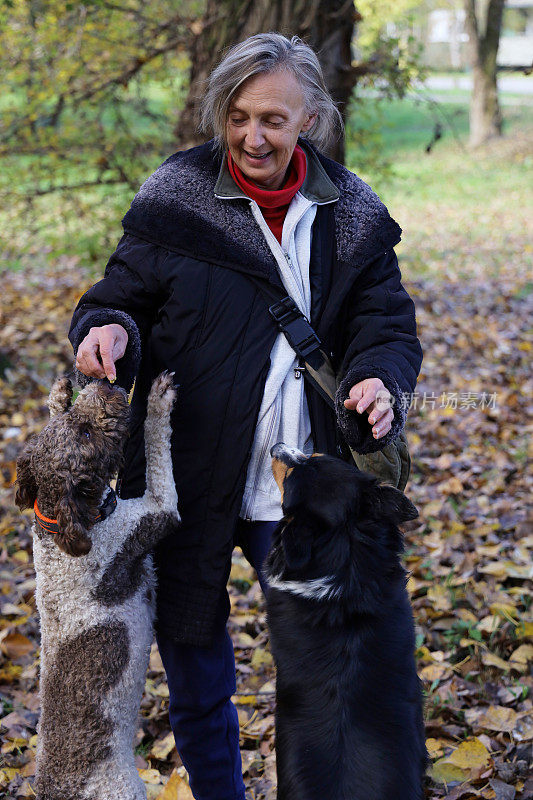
(60, 397)
(73, 538)
(26, 485)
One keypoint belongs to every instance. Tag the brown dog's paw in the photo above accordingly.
(60, 396)
(162, 394)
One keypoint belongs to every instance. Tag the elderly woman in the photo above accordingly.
(258, 205)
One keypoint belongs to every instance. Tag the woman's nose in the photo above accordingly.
(254, 136)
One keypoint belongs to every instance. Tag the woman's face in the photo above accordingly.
(265, 118)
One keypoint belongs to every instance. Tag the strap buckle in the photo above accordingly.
(295, 326)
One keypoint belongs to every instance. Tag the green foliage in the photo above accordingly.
(82, 120)
(386, 41)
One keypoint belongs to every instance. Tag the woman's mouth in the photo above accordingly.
(257, 158)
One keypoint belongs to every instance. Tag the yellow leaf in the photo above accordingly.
(260, 657)
(471, 754)
(492, 660)
(152, 776)
(176, 789)
(525, 629)
(498, 718)
(503, 610)
(162, 747)
(6, 775)
(435, 672)
(489, 624)
(496, 568)
(10, 672)
(243, 640)
(245, 700)
(451, 486)
(13, 744)
(439, 596)
(434, 747)
(444, 772)
(521, 657)
(21, 556)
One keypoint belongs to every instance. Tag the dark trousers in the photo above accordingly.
(201, 681)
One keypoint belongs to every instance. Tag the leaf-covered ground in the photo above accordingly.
(469, 553)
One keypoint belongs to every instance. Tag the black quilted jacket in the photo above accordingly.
(178, 283)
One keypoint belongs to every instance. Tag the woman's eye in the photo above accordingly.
(236, 121)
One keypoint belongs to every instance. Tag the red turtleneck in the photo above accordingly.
(274, 204)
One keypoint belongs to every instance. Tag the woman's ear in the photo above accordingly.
(309, 122)
(26, 494)
(73, 538)
(60, 397)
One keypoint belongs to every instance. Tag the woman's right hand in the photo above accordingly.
(100, 349)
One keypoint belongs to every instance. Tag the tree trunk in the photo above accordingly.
(483, 25)
(326, 25)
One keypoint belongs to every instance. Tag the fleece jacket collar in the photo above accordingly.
(316, 187)
(177, 208)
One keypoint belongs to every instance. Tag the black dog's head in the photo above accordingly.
(339, 522)
(69, 464)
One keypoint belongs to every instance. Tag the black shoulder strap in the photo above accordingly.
(315, 365)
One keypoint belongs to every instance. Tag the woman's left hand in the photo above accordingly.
(371, 396)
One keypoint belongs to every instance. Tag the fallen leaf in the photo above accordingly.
(445, 772)
(493, 718)
(162, 747)
(471, 754)
(502, 791)
(176, 789)
(492, 660)
(152, 776)
(15, 645)
(261, 657)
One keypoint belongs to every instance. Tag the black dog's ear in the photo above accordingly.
(386, 502)
(26, 486)
(296, 545)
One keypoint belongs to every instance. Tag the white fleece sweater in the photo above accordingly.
(283, 416)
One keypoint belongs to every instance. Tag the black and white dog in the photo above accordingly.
(349, 723)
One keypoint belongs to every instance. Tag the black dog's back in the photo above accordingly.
(349, 722)
(349, 714)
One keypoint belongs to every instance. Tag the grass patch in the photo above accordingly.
(464, 213)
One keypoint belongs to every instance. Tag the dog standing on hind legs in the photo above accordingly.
(349, 722)
(95, 585)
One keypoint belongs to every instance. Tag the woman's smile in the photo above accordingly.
(257, 158)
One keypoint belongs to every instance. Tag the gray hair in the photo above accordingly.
(264, 53)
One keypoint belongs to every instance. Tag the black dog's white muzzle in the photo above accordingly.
(287, 455)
